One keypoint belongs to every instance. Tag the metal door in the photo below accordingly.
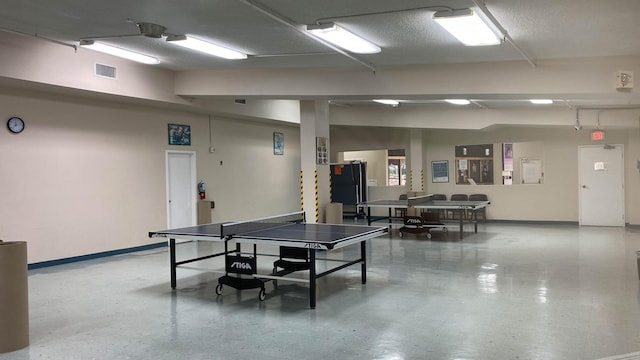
(601, 185)
(181, 189)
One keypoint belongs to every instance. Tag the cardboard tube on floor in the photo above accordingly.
(14, 296)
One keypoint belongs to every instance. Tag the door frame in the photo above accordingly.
(622, 178)
(192, 180)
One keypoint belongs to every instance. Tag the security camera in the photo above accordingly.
(578, 127)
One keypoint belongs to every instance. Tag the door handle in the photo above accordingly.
(584, 187)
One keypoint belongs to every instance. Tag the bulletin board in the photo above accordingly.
(531, 171)
(474, 164)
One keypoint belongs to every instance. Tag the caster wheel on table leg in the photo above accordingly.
(262, 295)
(219, 289)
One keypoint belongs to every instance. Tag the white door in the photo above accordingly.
(601, 185)
(181, 189)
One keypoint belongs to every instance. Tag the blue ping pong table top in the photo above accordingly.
(325, 235)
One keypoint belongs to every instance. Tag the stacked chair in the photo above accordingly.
(455, 213)
(480, 197)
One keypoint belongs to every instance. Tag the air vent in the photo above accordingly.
(105, 71)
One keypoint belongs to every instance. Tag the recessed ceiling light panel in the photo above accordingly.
(116, 51)
(467, 26)
(387, 102)
(190, 42)
(458, 101)
(345, 39)
(541, 101)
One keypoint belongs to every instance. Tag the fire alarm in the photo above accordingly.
(624, 79)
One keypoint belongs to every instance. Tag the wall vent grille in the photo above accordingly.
(105, 71)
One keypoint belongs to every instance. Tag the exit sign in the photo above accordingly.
(597, 135)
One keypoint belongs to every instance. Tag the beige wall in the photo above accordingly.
(89, 177)
(555, 200)
(251, 182)
(377, 163)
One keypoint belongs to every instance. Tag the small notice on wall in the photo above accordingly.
(531, 171)
(600, 166)
(322, 153)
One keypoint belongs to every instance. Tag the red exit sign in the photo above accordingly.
(597, 135)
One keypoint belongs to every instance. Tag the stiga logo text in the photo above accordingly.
(413, 221)
(241, 265)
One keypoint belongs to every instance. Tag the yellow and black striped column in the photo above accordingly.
(330, 187)
(317, 199)
(411, 180)
(301, 192)
(421, 180)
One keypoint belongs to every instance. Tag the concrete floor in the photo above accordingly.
(508, 292)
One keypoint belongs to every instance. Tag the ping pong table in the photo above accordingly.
(286, 231)
(426, 202)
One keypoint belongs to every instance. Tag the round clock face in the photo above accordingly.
(15, 125)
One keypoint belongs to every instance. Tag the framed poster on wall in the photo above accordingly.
(179, 134)
(440, 171)
(278, 143)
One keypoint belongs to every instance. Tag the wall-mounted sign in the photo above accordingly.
(597, 135)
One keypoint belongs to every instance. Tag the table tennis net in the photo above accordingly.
(417, 200)
(240, 227)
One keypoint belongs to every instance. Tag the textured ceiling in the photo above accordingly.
(544, 29)
(270, 32)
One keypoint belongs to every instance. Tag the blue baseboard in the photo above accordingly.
(73, 259)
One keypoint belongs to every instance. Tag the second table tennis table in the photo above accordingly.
(288, 230)
(426, 202)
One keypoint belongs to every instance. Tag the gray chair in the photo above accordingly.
(441, 212)
(463, 213)
(401, 212)
(483, 211)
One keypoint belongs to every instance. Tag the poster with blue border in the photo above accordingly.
(440, 171)
(179, 134)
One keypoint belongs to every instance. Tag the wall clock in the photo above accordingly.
(15, 125)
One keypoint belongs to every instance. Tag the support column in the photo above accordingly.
(416, 171)
(314, 123)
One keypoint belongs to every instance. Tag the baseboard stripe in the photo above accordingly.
(73, 259)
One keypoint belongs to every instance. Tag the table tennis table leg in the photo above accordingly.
(312, 278)
(475, 221)
(461, 225)
(172, 257)
(369, 215)
(363, 258)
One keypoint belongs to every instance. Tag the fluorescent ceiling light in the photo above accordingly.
(116, 51)
(541, 101)
(206, 47)
(467, 27)
(387, 102)
(458, 101)
(343, 38)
